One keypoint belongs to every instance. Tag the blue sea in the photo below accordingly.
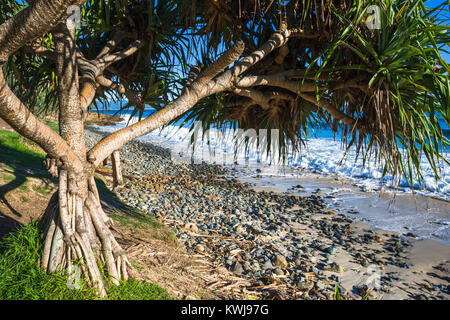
(323, 154)
(423, 210)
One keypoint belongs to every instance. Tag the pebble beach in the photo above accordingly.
(287, 246)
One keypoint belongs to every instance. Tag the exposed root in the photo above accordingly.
(77, 230)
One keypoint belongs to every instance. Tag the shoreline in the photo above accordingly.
(414, 214)
(285, 246)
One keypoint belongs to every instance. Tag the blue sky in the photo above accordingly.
(446, 16)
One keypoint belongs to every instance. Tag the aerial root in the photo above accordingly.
(78, 232)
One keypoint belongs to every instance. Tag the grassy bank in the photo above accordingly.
(17, 150)
(23, 278)
(21, 274)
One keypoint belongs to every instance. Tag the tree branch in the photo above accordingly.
(199, 90)
(350, 84)
(119, 88)
(91, 69)
(277, 80)
(108, 59)
(282, 53)
(296, 33)
(218, 66)
(276, 40)
(88, 72)
(257, 96)
(16, 114)
(39, 17)
(111, 44)
(179, 106)
(40, 51)
(338, 115)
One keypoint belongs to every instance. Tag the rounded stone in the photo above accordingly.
(280, 261)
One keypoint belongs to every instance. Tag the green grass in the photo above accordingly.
(138, 267)
(23, 278)
(18, 154)
(145, 224)
(5, 166)
(16, 149)
(15, 152)
(7, 177)
(44, 190)
(53, 125)
(136, 290)
(137, 220)
(19, 181)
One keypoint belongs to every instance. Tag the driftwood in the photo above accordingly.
(117, 172)
(109, 172)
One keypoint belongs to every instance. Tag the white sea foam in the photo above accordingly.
(322, 155)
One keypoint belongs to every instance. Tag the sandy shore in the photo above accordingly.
(428, 268)
(428, 260)
(282, 244)
(101, 119)
(418, 215)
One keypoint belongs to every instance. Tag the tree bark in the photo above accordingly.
(77, 228)
(39, 17)
(70, 113)
(117, 171)
(16, 114)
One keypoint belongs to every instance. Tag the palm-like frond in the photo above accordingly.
(400, 84)
(406, 85)
(391, 81)
(153, 71)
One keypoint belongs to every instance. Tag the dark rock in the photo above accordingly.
(237, 268)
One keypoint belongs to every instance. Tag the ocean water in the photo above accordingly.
(423, 210)
(323, 154)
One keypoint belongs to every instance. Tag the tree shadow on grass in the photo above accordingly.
(111, 201)
(19, 166)
(18, 180)
(8, 225)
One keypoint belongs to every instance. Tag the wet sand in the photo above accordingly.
(422, 216)
(296, 245)
(428, 260)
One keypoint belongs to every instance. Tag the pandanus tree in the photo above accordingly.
(302, 62)
(76, 228)
(370, 70)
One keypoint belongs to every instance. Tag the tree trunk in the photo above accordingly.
(117, 171)
(76, 227)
